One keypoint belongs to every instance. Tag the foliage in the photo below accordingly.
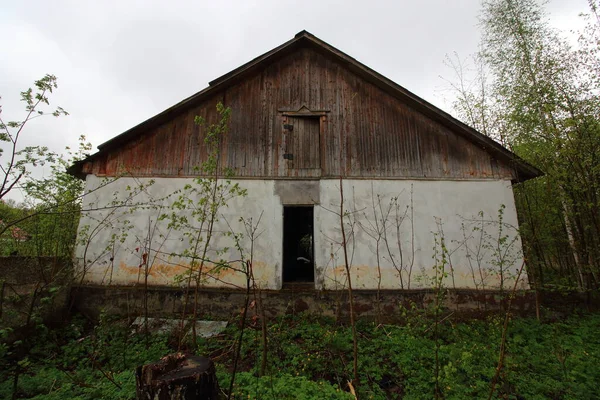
(196, 211)
(538, 95)
(196, 208)
(17, 168)
(75, 362)
(311, 358)
(284, 386)
(45, 224)
(399, 361)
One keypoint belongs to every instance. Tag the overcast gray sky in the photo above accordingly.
(121, 62)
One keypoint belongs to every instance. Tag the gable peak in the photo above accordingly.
(303, 33)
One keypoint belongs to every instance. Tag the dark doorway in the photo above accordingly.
(298, 244)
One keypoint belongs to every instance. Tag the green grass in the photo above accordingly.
(311, 358)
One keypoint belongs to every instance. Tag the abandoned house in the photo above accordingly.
(423, 193)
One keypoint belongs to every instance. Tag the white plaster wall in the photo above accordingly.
(464, 213)
(115, 233)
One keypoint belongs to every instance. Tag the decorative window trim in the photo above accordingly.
(303, 112)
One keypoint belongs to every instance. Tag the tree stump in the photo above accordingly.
(177, 377)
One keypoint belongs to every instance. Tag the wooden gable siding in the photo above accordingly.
(364, 132)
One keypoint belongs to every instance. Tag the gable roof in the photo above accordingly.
(524, 170)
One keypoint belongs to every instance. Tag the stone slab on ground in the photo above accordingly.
(204, 329)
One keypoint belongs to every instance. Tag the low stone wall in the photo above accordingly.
(48, 278)
(223, 304)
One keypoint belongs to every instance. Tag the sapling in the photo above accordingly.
(196, 212)
(440, 256)
(342, 215)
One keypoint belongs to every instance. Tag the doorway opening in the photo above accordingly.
(298, 244)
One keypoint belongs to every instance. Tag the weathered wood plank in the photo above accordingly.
(366, 132)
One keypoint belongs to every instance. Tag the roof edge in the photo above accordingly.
(524, 170)
(212, 86)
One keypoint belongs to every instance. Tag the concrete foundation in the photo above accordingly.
(224, 304)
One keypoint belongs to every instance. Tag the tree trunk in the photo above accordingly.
(177, 377)
(572, 244)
